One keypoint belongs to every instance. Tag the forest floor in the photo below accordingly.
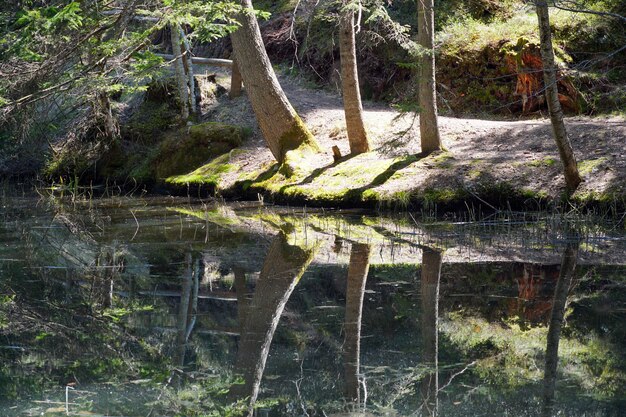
(497, 163)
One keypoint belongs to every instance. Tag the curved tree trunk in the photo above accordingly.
(568, 265)
(355, 291)
(350, 85)
(281, 126)
(429, 129)
(180, 72)
(572, 177)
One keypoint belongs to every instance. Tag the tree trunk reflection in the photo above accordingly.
(283, 267)
(357, 276)
(431, 271)
(568, 265)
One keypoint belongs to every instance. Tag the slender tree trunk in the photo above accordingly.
(189, 67)
(357, 276)
(180, 73)
(352, 105)
(429, 128)
(431, 272)
(282, 268)
(572, 177)
(568, 265)
(281, 126)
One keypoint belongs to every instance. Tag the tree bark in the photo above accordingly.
(352, 105)
(572, 177)
(190, 74)
(431, 272)
(568, 265)
(280, 125)
(355, 291)
(180, 73)
(429, 128)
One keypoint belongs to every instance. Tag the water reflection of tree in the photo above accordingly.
(282, 268)
(568, 265)
(357, 276)
(431, 272)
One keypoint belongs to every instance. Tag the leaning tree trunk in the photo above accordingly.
(350, 85)
(280, 125)
(572, 177)
(180, 72)
(429, 129)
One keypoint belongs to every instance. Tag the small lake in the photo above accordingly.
(174, 307)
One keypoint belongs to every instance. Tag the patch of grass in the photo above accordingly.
(544, 162)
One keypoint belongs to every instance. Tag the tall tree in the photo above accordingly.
(572, 177)
(353, 108)
(280, 125)
(431, 273)
(429, 128)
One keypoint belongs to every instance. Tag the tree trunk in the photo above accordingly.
(355, 290)
(350, 85)
(189, 67)
(280, 125)
(429, 129)
(572, 177)
(282, 268)
(568, 265)
(180, 73)
(431, 271)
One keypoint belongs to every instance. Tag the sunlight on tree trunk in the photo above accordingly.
(353, 108)
(572, 177)
(188, 65)
(281, 126)
(429, 129)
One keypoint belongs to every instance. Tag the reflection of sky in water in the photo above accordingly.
(158, 307)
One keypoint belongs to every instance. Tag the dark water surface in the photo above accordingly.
(168, 307)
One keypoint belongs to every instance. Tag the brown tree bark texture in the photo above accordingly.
(353, 108)
(572, 177)
(280, 125)
(429, 128)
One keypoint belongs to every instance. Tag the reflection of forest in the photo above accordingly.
(462, 333)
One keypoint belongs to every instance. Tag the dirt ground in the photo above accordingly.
(480, 153)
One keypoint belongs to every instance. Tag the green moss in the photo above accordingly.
(444, 195)
(209, 174)
(545, 162)
(298, 137)
(587, 166)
